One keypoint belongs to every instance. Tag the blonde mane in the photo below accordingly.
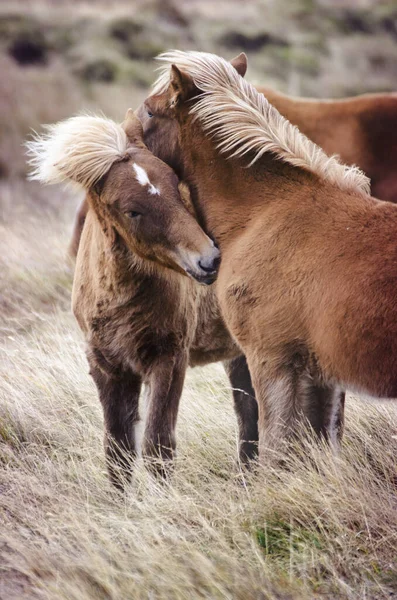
(81, 149)
(244, 121)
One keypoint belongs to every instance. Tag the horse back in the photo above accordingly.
(378, 123)
(362, 130)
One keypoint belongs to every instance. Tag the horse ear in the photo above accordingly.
(181, 84)
(133, 128)
(240, 63)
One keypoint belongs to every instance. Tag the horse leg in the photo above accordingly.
(324, 410)
(245, 406)
(165, 389)
(78, 228)
(340, 418)
(119, 396)
(281, 391)
(287, 397)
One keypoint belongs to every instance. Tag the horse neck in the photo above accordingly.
(227, 195)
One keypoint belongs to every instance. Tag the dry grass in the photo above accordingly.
(324, 526)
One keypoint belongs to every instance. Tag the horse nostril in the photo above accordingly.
(210, 266)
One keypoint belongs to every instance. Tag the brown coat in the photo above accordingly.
(143, 318)
(362, 130)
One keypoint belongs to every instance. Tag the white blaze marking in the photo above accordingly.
(143, 179)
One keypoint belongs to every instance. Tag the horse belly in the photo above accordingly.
(355, 336)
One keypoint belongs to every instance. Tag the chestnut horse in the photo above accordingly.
(143, 320)
(309, 259)
(166, 148)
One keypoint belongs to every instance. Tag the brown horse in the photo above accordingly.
(361, 130)
(143, 320)
(309, 259)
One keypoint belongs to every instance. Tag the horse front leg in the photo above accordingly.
(287, 399)
(119, 395)
(245, 406)
(281, 391)
(165, 389)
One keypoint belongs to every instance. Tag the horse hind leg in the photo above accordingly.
(245, 406)
(324, 409)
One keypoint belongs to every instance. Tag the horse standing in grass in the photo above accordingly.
(309, 259)
(143, 319)
(362, 130)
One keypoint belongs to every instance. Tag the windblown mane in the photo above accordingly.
(244, 121)
(81, 149)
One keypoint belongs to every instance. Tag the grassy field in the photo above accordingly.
(324, 526)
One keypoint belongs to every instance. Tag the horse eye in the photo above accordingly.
(133, 214)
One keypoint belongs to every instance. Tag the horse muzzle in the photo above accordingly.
(204, 268)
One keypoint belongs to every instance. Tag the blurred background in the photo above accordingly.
(63, 56)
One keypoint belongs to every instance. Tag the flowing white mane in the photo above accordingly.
(81, 149)
(243, 120)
